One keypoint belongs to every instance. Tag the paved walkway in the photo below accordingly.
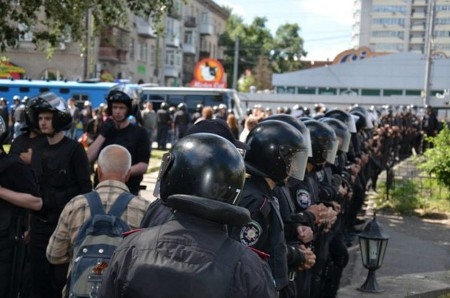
(417, 259)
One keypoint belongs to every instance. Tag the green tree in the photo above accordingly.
(263, 73)
(254, 40)
(246, 81)
(52, 20)
(436, 160)
(287, 49)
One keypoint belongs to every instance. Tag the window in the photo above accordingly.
(392, 92)
(189, 37)
(170, 58)
(329, 91)
(24, 89)
(44, 89)
(305, 90)
(64, 90)
(413, 92)
(143, 51)
(370, 92)
(204, 18)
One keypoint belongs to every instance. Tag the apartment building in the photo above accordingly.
(402, 25)
(135, 51)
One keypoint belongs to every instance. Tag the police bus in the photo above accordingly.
(95, 92)
(192, 97)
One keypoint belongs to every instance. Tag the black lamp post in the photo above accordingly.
(372, 243)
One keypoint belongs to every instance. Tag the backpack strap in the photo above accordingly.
(95, 203)
(121, 204)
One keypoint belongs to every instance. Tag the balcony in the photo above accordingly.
(173, 42)
(190, 22)
(108, 54)
(145, 30)
(206, 28)
(418, 15)
(419, 3)
(171, 71)
(418, 28)
(189, 49)
(417, 40)
(174, 14)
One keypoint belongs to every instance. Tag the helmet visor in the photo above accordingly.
(165, 164)
(307, 137)
(344, 143)
(296, 164)
(330, 153)
(351, 123)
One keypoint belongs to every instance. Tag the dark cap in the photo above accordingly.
(218, 127)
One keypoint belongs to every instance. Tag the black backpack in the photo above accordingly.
(96, 241)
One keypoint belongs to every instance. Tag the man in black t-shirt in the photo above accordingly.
(118, 130)
(62, 169)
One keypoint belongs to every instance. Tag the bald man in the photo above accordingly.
(114, 163)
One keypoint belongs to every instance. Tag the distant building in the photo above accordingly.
(401, 26)
(134, 52)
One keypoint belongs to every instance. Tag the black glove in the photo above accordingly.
(108, 128)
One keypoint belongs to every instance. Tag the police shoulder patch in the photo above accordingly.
(320, 175)
(250, 233)
(303, 198)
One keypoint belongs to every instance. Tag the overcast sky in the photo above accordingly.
(326, 25)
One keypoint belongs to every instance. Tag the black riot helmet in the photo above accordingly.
(344, 117)
(297, 124)
(323, 142)
(165, 106)
(117, 96)
(277, 150)
(199, 108)
(50, 102)
(341, 131)
(182, 107)
(29, 122)
(366, 117)
(4, 131)
(362, 121)
(204, 165)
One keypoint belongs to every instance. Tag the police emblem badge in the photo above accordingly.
(250, 233)
(303, 198)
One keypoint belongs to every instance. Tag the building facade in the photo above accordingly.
(135, 52)
(402, 26)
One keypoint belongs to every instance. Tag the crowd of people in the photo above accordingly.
(265, 206)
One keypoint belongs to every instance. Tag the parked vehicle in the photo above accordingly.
(95, 92)
(192, 97)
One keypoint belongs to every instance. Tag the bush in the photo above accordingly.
(436, 160)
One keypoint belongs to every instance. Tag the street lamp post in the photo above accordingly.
(372, 243)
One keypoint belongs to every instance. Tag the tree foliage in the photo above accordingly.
(287, 49)
(259, 50)
(51, 21)
(437, 159)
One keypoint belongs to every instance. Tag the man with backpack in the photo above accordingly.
(77, 225)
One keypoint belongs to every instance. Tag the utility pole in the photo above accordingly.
(88, 50)
(235, 64)
(428, 53)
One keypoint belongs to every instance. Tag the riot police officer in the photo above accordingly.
(277, 150)
(191, 254)
(18, 192)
